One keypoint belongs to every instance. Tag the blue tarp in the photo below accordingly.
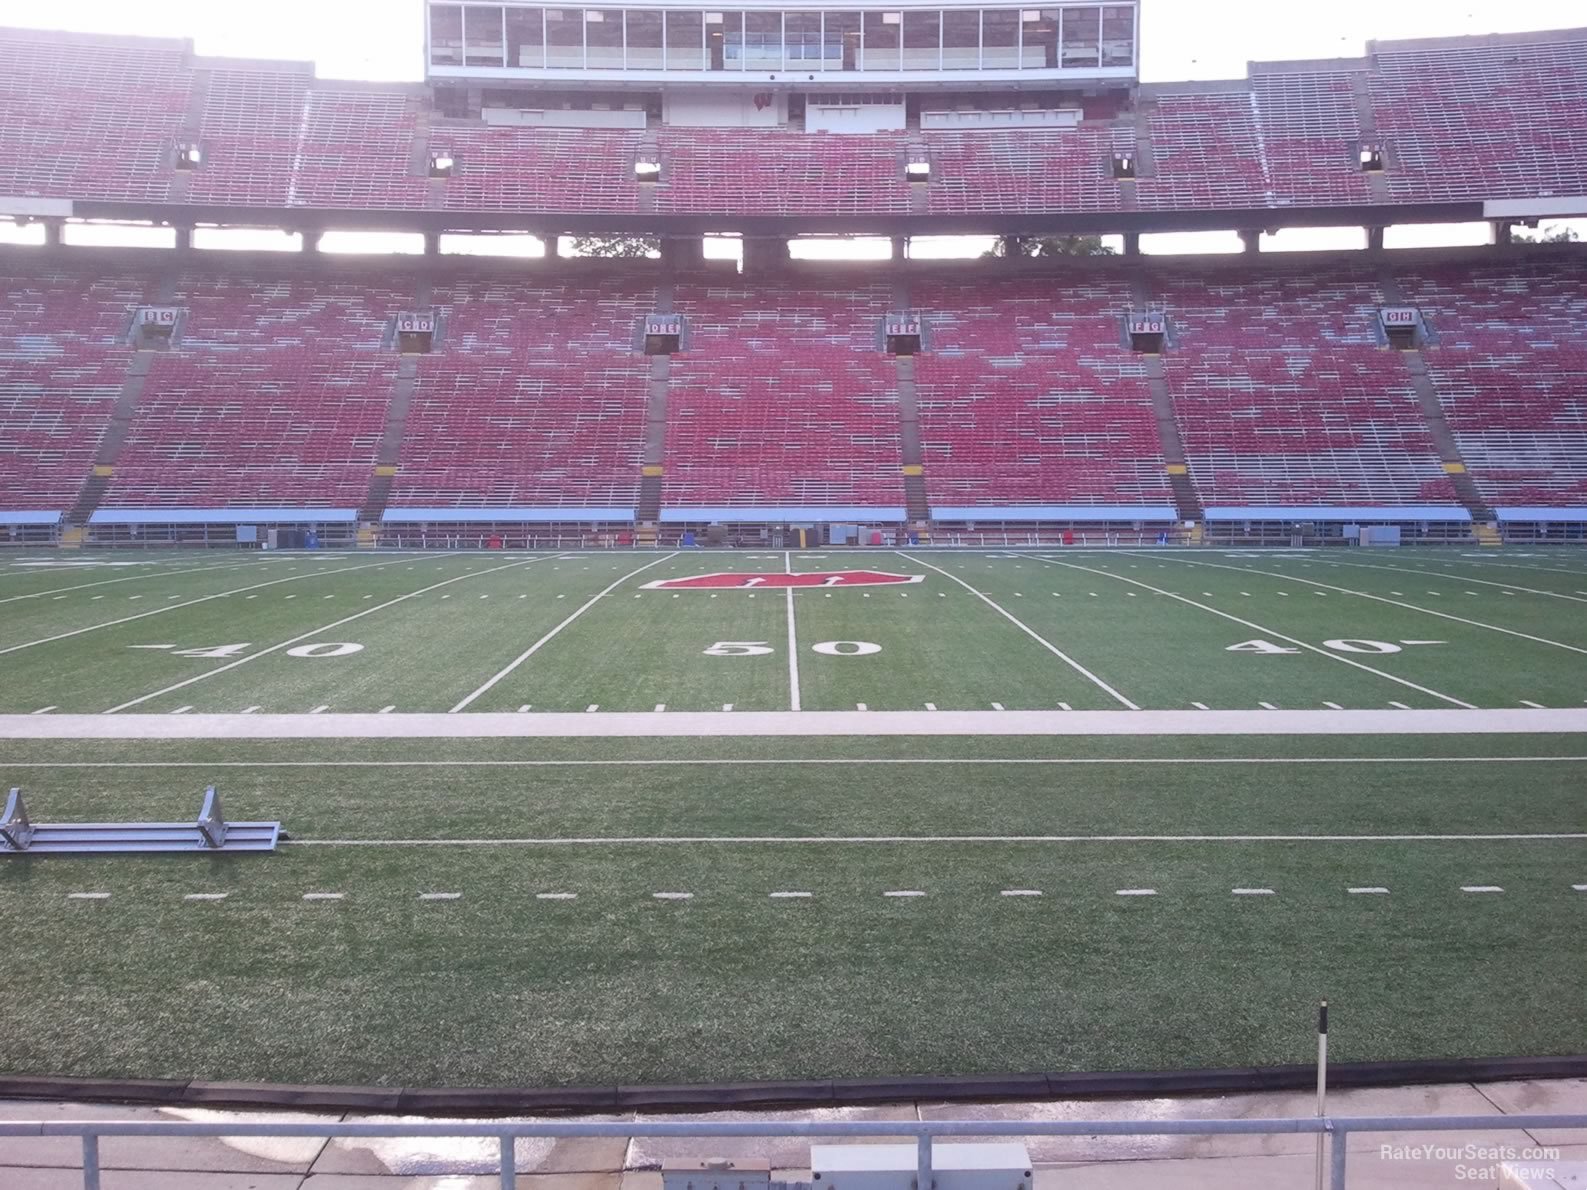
(1056, 512)
(1573, 516)
(504, 516)
(1340, 513)
(224, 516)
(781, 514)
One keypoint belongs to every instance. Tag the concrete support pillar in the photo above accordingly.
(432, 243)
(1252, 241)
(311, 242)
(900, 247)
(54, 232)
(764, 254)
(1132, 243)
(184, 238)
(1375, 239)
(553, 243)
(1503, 234)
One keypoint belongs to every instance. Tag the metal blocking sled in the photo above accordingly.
(209, 833)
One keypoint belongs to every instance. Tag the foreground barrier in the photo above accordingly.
(208, 833)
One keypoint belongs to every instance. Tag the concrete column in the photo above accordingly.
(1375, 239)
(54, 232)
(900, 248)
(1503, 234)
(1132, 243)
(1252, 241)
(432, 243)
(184, 238)
(553, 243)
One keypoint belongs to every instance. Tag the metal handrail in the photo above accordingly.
(1336, 1128)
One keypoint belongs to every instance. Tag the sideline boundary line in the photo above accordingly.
(368, 611)
(1464, 578)
(705, 724)
(1028, 631)
(856, 840)
(547, 638)
(676, 761)
(176, 607)
(1259, 628)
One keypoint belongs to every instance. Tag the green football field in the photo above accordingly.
(698, 902)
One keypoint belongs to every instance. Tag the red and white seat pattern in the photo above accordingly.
(783, 398)
(63, 361)
(275, 395)
(536, 398)
(1284, 397)
(1027, 396)
(1509, 362)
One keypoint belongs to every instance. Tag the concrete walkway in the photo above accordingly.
(471, 725)
(1062, 1163)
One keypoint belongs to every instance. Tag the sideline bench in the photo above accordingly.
(207, 834)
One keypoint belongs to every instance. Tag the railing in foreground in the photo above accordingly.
(1337, 1130)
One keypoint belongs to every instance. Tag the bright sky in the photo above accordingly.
(1181, 39)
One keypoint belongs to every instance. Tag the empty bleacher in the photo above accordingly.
(1206, 150)
(252, 120)
(1027, 396)
(714, 170)
(1284, 396)
(275, 395)
(1509, 362)
(535, 398)
(783, 398)
(63, 360)
(1029, 171)
(1311, 134)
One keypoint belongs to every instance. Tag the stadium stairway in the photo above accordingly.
(916, 504)
(380, 481)
(1438, 426)
(98, 480)
(653, 470)
(1187, 501)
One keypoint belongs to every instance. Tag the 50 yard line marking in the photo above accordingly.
(793, 640)
(1028, 631)
(548, 637)
(316, 631)
(1259, 628)
(176, 607)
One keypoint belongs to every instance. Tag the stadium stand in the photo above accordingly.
(1027, 396)
(98, 118)
(63, 360)
(783, 398)
(274, 394)
(535, 398)
(1284, 395)
(1510, 366)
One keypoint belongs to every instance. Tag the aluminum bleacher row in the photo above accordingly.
(536, 398)
(278, 389)
(1027, 396)
(783, 400)
(99, 118)
(1284, 395)
(1510, 367)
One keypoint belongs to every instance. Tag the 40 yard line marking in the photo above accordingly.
(793, 641)
(1028, 631)
(176, 607)
(316, 631)
(1541, 640)
(1265, 631)
(548, 637)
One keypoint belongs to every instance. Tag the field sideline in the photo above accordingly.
(569, 911)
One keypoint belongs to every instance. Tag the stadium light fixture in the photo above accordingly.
(647, 170)
(189, 156)
(442, 165)
(918, 171)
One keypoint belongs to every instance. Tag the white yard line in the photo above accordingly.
(176, 607)
(1397, 603)
(550, 636)
(793, 641)
(849, 840)
(843, 762)
(1030, 632)
(159, 574)
(703, 724)
(1465, 578)
(1251, 624)
(286, 644)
